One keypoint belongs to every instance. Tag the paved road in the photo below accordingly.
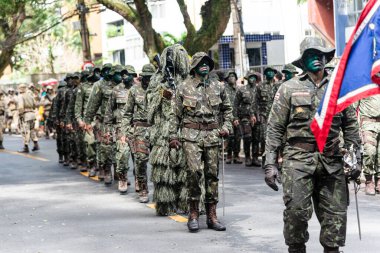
(46, 207)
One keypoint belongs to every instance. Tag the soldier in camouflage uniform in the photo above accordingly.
(263, 100)
(47, 102)
(369, 111)
(3, 109)
(196, 126)
(136, 127)
(71, 125)
(168, 175)
(26, 108)
(123, 79)
(56, 119)
(244, 112)
(98, 99)
(12, 112)
(81, 100)
(307, 174)
(234, 139)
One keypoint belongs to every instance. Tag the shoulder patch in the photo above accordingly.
(301, 94)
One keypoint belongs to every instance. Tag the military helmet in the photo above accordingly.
(227, 73)
(129, 69)
(314, 43)
(148, 70)
(270, 68)
(289, 68)
(197, 58)
(116, 69)
(252, 73)
(49, 87)
(107, 66)
(75, 75)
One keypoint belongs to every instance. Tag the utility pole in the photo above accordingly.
(239, 41)
(82, 9)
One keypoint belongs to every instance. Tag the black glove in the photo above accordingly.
(357, 170)
(175, 144)
(271, 175)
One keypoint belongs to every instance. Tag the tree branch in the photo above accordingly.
(186, 19)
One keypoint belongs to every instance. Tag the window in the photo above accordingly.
(119, 57)
(115, 29)
(254, 56)
(158, 8)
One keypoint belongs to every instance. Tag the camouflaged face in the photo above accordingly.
(180, 58)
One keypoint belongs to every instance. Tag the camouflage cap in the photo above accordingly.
(107, 66)
(148, 70)
(31, 85)
(252, 73)
(116, 69)
(49, 87)
(22, 86)
(227, 73)
(130, 70)
(314, 43)
(198, 57)
(68, 76)
(270, 68)
(289, 68)
(61, 84)
(11, 89)
(85, 73)
(75, 75)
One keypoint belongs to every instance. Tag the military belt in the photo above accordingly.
(141, 124)
(312, 147)
(371, 119)
(200, 126)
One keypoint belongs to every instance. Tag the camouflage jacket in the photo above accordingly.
(196, 102)
(100, 94)
(369, 107)
(58, 103)
(263, 97)
(116, 103)
(245, 102)
(231, 92)
(3, 106)
(293, 110)
(275, 88)
(81, 100)
(135, 109)
(70, 113)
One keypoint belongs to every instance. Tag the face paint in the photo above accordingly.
(252, 80)
(76, 81)
(127, 79)
(116, 78)
(105, 74)
(269, 75)
(288, 75)
(203, 69)
(145, 81)
(313, 61)
(231, 79)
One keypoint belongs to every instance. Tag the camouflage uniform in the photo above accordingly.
(26, 108)
(113, 119)
(136, 127)
(98, 99)
(369, 111)
(197, 110)
(56, 108)
(2, 116)
(81, 103)
(168, 176)
(47, 102)
(12, 114)
(234, 139)
(307, 174)
(244, 110)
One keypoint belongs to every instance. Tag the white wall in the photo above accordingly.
(275, 52)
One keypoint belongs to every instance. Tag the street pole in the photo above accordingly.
(82, 9)
(239, 41)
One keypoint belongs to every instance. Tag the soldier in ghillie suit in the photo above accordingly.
(244, 112)
(168, 176)
(135, 128)
(307, 174)
(113, 120)
(81, 100)
(196, 126)
(234, 139)
(98, 100)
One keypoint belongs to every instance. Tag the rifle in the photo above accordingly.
(350, 162)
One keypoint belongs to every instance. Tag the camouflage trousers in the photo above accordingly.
(233, 142)
(81, 145)
(371, 140)
(2, 119)
(106, 154)
(141, 153)
(60, 148)
(262, 128)
(202, 162)
(308, 181)
(90, 147)
(256, 139)
(246, 127)
(122, 154)
(72, 149)
(28, 131)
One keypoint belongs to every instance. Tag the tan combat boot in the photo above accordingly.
(369, 186)
(137, 185)
(144, 193)
(123, 187)
(193, 220)
(237, 159)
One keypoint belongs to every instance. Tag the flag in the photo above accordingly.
(356, 75)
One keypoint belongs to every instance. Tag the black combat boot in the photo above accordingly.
(1, 145)
(25, 149)
(330, 249)
(237, 159)
(297, 248)
(60, 158)
(66, 161)
(107, 175)
(92, 169)
(36, 146)
(193, 221)
(212, 220)
(248, 160)
(229, 158)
